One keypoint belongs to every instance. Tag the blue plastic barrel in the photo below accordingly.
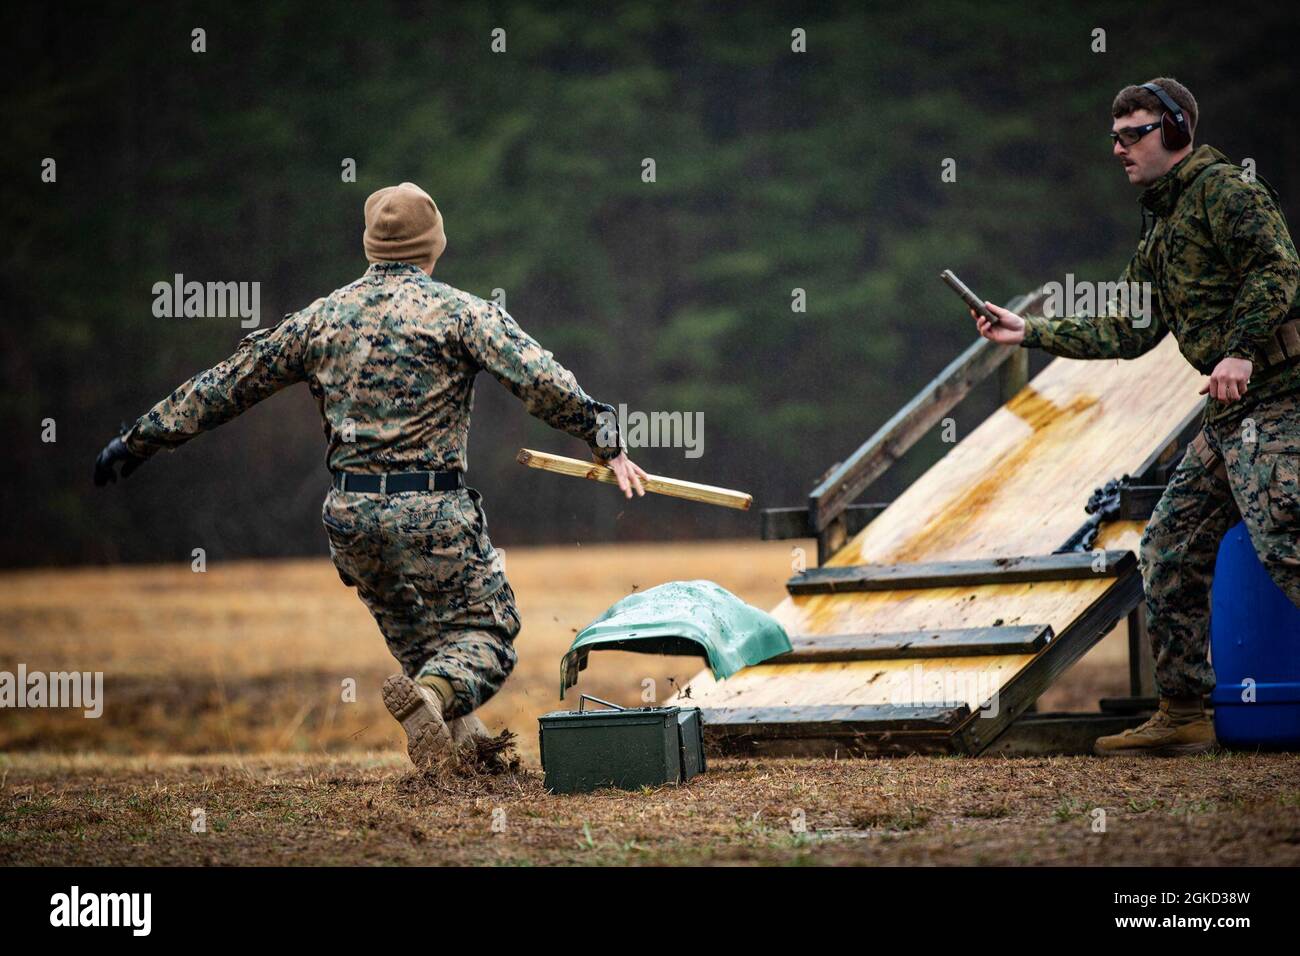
(1254, 637)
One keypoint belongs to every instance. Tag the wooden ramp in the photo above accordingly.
(941, 621)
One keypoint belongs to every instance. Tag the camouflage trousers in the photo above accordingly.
(1247, 469)
(423, 565)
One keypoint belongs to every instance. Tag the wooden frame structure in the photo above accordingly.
(1028, 656)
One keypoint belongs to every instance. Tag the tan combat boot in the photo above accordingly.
(418, 709)
(465, 729)
(1179, 727)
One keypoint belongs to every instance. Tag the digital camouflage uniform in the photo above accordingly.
(391, 360)
(1224, 277)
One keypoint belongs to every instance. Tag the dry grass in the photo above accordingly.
(223, 692)
(250, 657)
(351, 810)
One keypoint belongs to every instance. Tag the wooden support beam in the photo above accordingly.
(834, 741)
(984, 726)
(892, 440)
(831, 538)
(852, 730)
(1070, 566)
(1013, 375)
(780, 524)
(1138, 502)
(1141, 661)
(814, 720)
(955, 642)
(1160, 464)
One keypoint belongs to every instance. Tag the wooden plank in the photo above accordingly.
(655, 484)
(874, 611)
(831, 538)
(1164, 458)
(1020, 692)
(780, 524)
(1141, 660)
(927, 681)
(818, 720)
(954, 642)
(1017, 483)
(835, 742)
(1138, 502)
(1013, 375)
(1072, 566)
(892, 440)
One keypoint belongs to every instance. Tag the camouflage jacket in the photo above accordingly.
(1223, 272)
(391, 360)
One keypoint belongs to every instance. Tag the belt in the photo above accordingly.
(396, 483)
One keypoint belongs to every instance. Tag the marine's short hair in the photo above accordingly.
(1135, 98)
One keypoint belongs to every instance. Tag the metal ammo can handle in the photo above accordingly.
(583, 698)
(971, 299)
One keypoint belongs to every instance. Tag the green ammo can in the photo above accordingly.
(629, 748)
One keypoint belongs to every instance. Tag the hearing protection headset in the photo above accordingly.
(1174, 133)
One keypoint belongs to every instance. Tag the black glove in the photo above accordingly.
(114, 452)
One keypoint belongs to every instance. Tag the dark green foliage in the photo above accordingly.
(776, 171)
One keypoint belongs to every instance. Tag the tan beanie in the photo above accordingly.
(403, 225)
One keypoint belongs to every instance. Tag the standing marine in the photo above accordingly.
(391, 360)
(1223, 274)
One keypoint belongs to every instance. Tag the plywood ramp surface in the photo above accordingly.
(1016, 485)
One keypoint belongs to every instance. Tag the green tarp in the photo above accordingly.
(696, 618)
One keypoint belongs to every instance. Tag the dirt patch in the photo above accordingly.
(1221, 810)
(250, 693)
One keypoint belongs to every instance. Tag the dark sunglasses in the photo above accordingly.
(1131, 134)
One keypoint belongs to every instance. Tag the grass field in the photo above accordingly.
(224, 694)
